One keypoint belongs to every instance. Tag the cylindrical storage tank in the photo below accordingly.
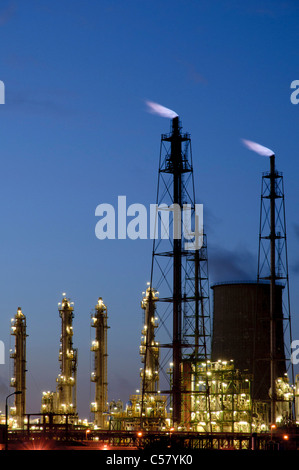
(241, 331)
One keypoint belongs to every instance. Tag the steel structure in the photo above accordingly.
(18, 381)
(149, 349)
(273, 267)
(99, 374)
(196, 318)
(177, 265)
(151, 407)
(229, 405)
(66, 437)
(66, 388)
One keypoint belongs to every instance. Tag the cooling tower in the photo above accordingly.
(241, 331)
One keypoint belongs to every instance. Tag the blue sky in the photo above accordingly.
(75, 133)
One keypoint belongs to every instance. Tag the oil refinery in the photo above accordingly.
(207, 381)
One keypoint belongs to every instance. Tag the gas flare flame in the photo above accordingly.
(156, 108)
(258, 148)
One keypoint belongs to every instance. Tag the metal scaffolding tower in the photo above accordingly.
(273, 268)
(196, 319)
(18, 382)
(99, 374)
(177, 263)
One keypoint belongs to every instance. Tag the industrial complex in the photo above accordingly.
(220, 379)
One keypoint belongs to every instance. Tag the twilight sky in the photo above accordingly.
(75, 133)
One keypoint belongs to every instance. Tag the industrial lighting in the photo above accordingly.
(18, 392)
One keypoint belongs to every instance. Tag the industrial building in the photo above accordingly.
(212, 380)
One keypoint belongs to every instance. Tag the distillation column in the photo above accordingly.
(18, 382)
(66, 388)
(149, 349)
(99, 375)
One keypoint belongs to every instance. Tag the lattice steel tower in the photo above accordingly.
(273, 268)
(178, 264)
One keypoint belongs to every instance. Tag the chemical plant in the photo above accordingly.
(206, 381)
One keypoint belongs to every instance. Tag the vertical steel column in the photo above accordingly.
(176, 159)
(273, 372)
